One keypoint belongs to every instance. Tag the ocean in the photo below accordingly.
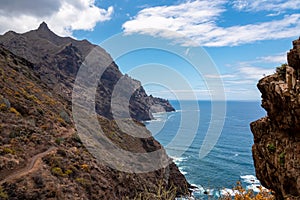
(229, 161)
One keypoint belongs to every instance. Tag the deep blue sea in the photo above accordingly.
(229, 161)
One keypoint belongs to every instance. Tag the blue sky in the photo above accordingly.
(245, 39)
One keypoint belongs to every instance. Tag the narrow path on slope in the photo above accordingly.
(32, 164)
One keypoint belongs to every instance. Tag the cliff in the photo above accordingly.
(41, 154)
(57, 60)
(276, 149)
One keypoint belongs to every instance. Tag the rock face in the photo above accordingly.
(41, 154)
(276, 149)
(58, 59)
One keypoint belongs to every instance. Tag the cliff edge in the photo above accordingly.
(276, 149)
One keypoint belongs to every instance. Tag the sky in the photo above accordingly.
(245, 40)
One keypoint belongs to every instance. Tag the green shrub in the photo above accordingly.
(282, 158)
(68, 172)
(57, 172)
(3, 107)
(7, 150)
(281, 71)
(58, 141)
(271, 148)
(82, 181)
(13, 110)
(3, 195)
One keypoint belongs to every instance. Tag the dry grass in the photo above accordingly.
(241, 193)
(161, 193)
(244, 194)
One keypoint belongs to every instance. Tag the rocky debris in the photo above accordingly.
(35, 118)
(276, 149)
(58, 59)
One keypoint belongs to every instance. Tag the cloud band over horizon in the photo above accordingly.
(198, 20)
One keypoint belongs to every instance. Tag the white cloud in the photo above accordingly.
(240, 4)
(266, 5)
(245, 75)
(242, 83)
(274, 14)
(279, 58)
(63, 16)
(255, 73)
(197, 20)
(221, 76)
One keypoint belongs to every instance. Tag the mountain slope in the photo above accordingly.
(42, 157)
(58, 59)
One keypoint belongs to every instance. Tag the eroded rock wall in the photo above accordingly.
(276, 149)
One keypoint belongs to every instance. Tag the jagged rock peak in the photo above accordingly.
(45, 32)
(43, 26)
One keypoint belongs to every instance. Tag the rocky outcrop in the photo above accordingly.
(42, 156)
(58, 59)
(294, 57)
(276, 149)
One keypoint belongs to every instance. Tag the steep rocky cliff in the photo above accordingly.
(58, 59)
(41, 155)
(276, 149)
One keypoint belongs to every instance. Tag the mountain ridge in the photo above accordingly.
(58, 59)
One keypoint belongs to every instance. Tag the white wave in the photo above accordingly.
(255, 187)
(227, 191)
(158, 120)
(254, 183)
(201, 191)
(178, 160)
(190, 110)
(182, 171)
(184, 198)
(251, 179)
(197, 189)
(159, 113)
